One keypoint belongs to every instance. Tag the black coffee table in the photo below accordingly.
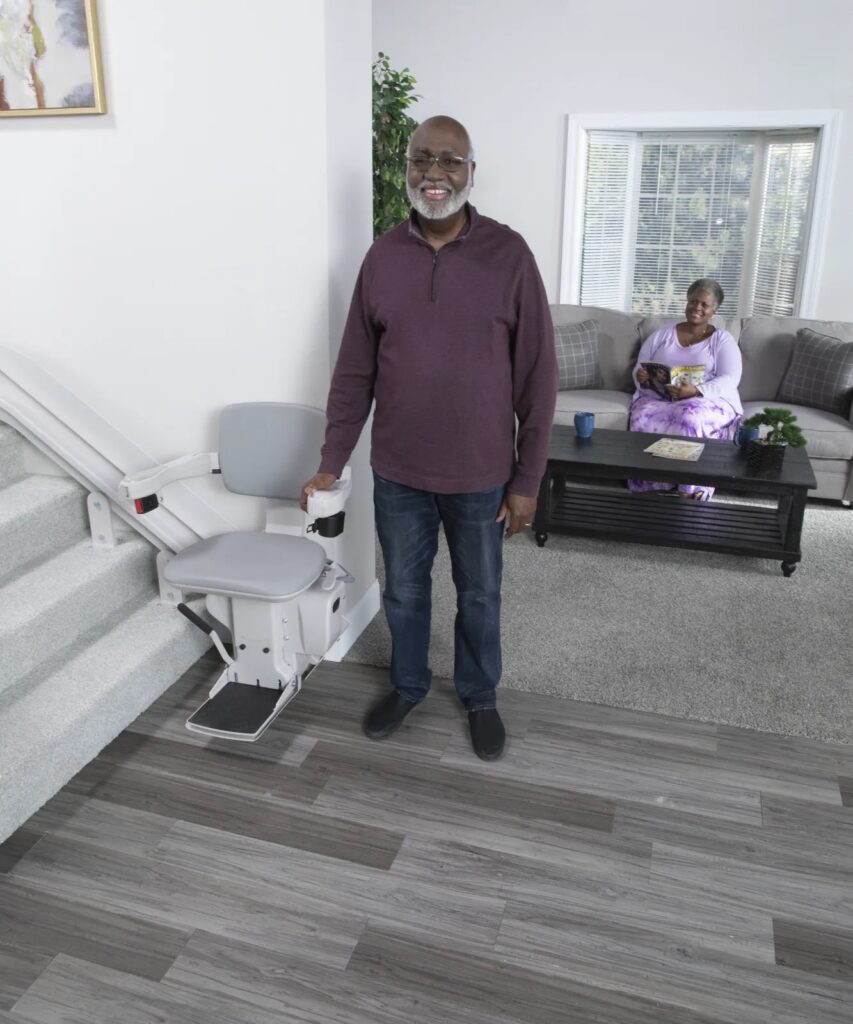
(655, 518)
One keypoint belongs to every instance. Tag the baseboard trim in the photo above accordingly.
(360, 617)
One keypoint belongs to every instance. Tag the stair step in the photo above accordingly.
(50, 728)
(46, 609)
(11, 455)
(39, 515)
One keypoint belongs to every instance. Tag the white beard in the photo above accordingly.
(438, 211)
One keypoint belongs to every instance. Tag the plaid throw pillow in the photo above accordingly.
(820, 374)
(577, 355)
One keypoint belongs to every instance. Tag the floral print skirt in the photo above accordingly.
(691, 417)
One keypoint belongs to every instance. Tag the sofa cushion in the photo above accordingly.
(618, 341)
(610, 407)
(577, 355)
(820, 373)
(766, 343)
(827, 436)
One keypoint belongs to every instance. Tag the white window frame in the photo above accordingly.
(828, 123)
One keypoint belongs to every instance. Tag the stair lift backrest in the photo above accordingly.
(269, 449)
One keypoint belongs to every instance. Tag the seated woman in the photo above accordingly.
(711, 409)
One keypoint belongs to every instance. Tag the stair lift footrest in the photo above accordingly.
(237, 710)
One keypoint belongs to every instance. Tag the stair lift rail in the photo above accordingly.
(280, 594)
(94, 453)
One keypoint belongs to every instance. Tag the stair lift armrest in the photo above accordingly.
(141, 488)
(322, 504)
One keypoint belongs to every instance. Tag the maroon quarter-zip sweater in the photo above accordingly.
(453, 345)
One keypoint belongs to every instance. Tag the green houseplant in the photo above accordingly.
(393, 94)
(767, 452)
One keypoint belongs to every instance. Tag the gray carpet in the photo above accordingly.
(685, 633)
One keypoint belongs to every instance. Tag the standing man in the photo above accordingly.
(450, 332)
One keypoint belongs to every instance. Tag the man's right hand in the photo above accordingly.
(318, 482)
(642, 377)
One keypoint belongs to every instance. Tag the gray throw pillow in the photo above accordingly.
(820, 374)
(577, 355)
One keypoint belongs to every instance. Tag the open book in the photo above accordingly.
(668, 448)
(660, 375)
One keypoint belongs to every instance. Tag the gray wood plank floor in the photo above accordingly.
(614, 867)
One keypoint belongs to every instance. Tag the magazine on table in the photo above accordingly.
(660, 375)
(670, 448)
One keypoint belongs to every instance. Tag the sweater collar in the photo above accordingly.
(473, 217)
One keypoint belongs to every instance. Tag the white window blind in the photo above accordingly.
(785, 202)
(610, 172)
(662, 209)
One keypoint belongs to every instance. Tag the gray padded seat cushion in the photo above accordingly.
(827, 436)
(610, 407)
(268, 566)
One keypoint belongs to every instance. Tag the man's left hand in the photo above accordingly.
(678, 392)
(519, 511)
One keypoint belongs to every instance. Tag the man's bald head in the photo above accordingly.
(442, 130)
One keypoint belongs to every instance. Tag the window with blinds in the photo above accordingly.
(783, 222)
(662, 209)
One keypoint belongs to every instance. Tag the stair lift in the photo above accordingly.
(280, 593)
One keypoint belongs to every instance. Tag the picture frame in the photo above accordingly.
(50, 58)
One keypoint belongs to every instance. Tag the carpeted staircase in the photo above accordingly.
(85, 644)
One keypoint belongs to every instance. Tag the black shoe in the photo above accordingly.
(386, 716)
(487, 733)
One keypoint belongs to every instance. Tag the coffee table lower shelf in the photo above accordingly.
(669, 521)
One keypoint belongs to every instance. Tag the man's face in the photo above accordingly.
(437, 192)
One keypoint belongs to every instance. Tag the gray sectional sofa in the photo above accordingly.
(766, 344)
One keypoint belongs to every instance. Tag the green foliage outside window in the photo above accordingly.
(692, 220)
(393, 94)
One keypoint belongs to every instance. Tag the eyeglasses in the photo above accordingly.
(446, 161)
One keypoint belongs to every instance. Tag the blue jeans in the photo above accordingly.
(407, 521)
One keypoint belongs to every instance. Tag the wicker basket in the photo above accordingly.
(764, 458)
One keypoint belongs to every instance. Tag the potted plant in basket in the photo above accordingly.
(767, 452)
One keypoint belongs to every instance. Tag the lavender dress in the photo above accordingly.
(716, 412)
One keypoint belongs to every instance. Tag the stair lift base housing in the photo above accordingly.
(276, 645)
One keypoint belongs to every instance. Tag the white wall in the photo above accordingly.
(513, 72)
(174, 255)
(350, 215)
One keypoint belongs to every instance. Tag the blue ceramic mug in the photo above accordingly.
(744, 435)
(584, 423)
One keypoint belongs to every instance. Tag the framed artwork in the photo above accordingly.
(50, 61)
